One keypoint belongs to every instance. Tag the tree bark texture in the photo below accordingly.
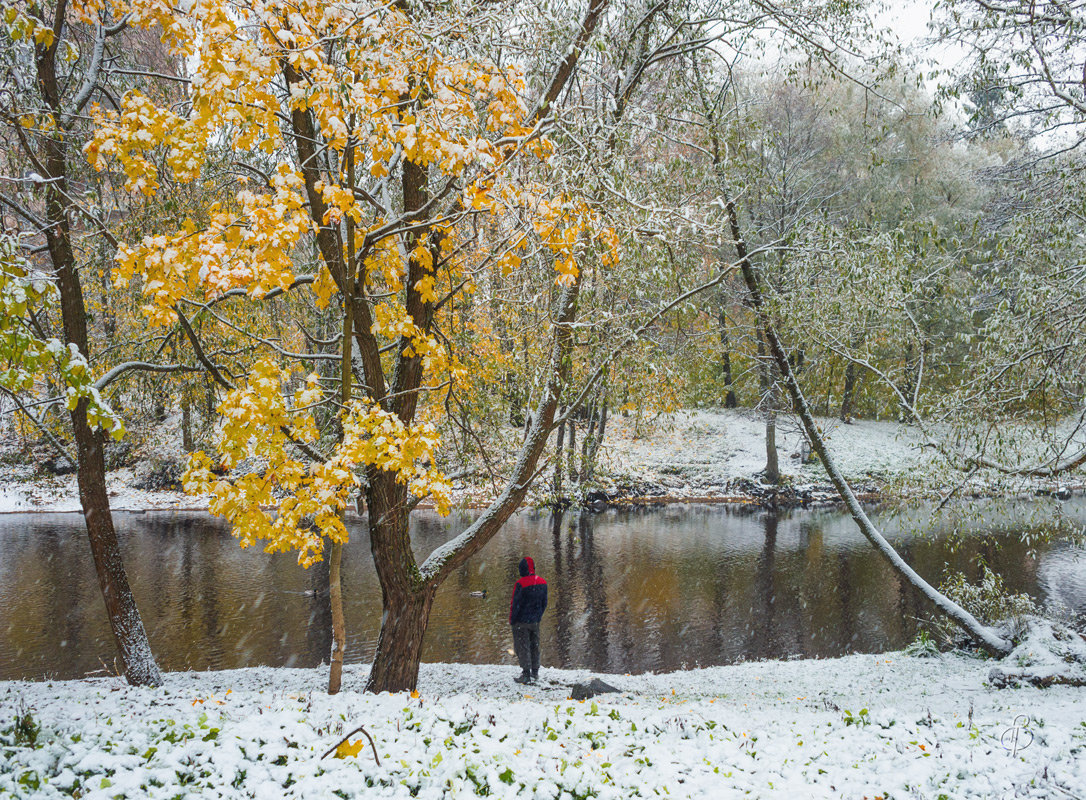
(558, 470)
(766, 379)
(124, 618)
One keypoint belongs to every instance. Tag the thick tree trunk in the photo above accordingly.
(399, 647)
(405, 598)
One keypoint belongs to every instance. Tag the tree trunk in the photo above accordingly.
(765, 377)
(335, 585)
(558, 470)
(339, 628)
(910, 379)
(730, 400)
(405, 598)
(772, 465)
(586, 444)
(847, 394)
(137, 660)
(187, 443)
(597, 441)
(124, 619)
(571, 464)
(399, 647)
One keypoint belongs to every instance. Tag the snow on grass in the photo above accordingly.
(705, 450)
(61, 493)
(860, 726)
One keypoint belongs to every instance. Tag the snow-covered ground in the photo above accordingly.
(687, 456)
(703, 452)
(889, 725)
(61, 493)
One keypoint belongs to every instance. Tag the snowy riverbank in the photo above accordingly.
(689, 456)
(889, 725)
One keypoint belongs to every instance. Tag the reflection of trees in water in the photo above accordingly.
(592, 577)
(846, 620)
(318, 631)
(215, 631)
(762, 643)
(629, 591)
(558, 595)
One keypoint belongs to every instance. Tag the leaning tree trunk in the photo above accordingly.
(137, 659)
(984, 636)
(124, 618)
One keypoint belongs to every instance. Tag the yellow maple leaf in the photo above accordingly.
(350, 748)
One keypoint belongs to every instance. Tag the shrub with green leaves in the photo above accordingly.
(988, 600)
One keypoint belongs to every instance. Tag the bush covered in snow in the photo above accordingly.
(989, 601)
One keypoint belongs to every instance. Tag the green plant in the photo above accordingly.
(859, 720)
(923, 645)
(988, 600)
(24, 730)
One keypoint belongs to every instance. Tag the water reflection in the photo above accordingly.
(630, 591)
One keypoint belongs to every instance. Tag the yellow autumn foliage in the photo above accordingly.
(384, 90)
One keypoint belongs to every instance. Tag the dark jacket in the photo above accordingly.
(529, 595)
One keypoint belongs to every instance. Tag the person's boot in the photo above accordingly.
(524, 678)
(535, 678)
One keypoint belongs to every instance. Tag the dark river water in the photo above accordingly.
(630, 591)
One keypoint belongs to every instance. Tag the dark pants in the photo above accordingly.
(526, 645)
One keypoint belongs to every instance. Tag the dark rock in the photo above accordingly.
(160, 472)
(596, 501)
(58, 465)
(583, 691)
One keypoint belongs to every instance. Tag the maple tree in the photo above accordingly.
(330, 106)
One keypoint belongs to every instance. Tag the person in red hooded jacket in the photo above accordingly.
(525, 610)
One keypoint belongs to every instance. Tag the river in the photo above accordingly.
(630, 590)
